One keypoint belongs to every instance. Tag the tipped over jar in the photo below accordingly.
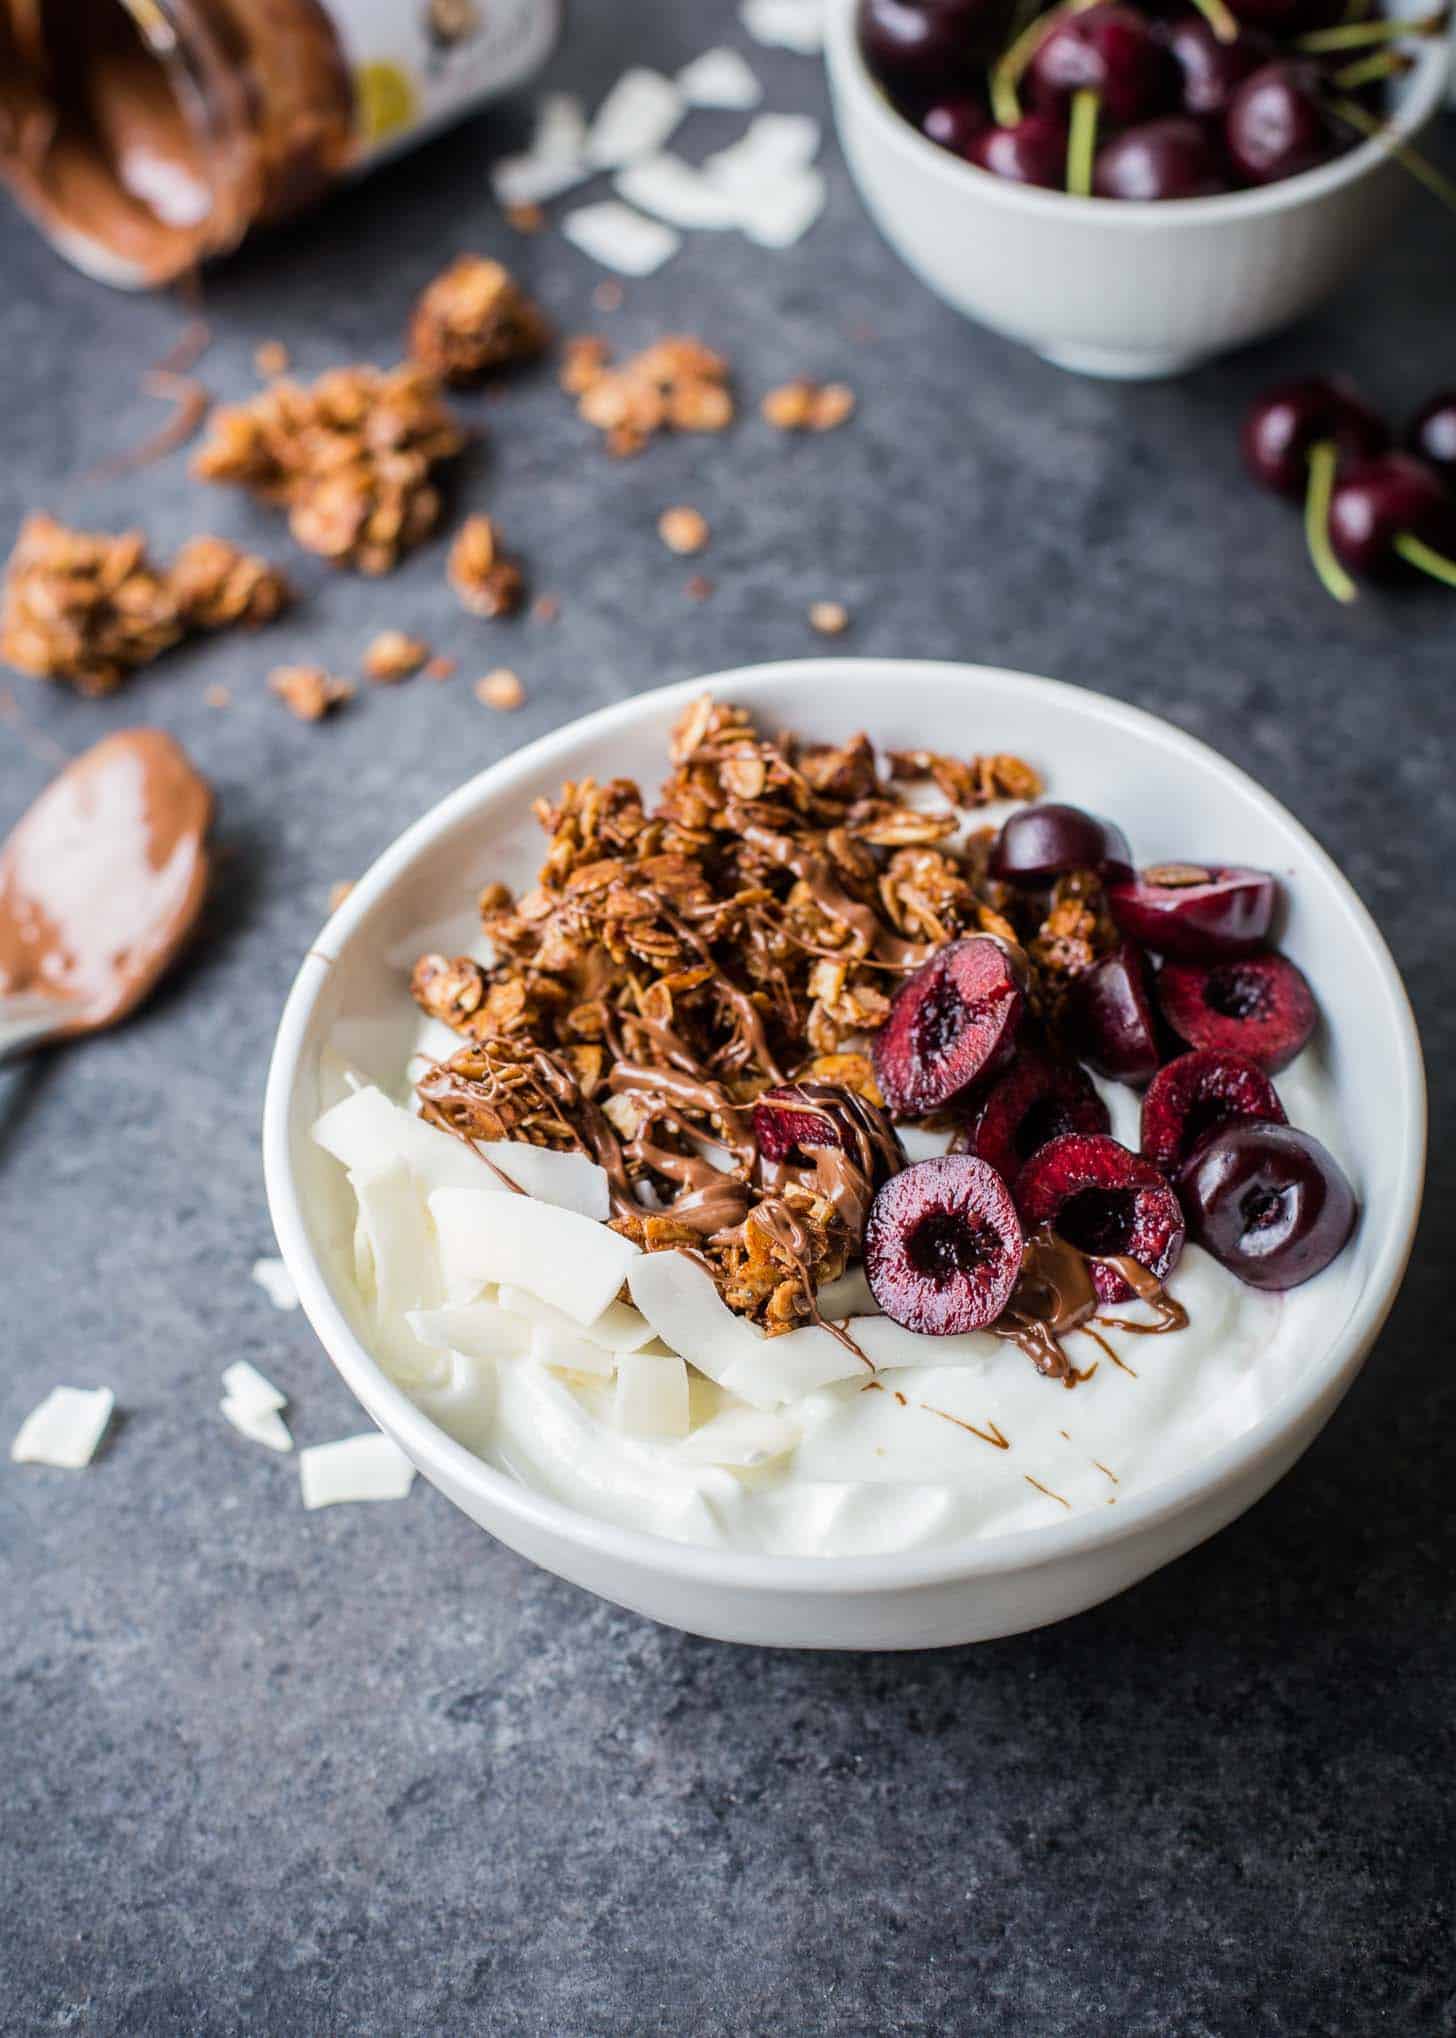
(145, 136)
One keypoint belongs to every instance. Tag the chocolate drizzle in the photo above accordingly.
(1054, 1296)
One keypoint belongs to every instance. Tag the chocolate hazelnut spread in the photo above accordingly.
(146, 135)
(103, 879)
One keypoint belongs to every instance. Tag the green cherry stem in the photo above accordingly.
(1371, 70)
(1082, 142)
(1418, 554)
(1353, 35)
(1323, 459)
(1010, 67)
(1219, 18)
(1354, 115)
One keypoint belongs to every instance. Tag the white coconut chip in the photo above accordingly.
(570, 1352)
(535, 180)
(673, 190)
(621, 239)
(368, 1467)
(679, 1299)
(780, 1370)
(259, 1426)
(566, 1259)
(742, 1437)
(65, 1429)
(369, 1135)
(276, 1282)
(720, 78)
(786, 24)
(769, 145)
(569, 1180)
(635, 119)
(619, 1328)
(781, 211)
(652, 1396)
(401, 1245)
(560, 132)
(249, 1392)
(921, 1144)
(478, 1330)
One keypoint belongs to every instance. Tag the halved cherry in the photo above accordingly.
(942, 1247)
(1109, 1203)
(1040, 843)
(1034, 1100)
(1199, 1094)
(1260, 1006)
(954, 1019)
(1196, 912)
(1110, 1018)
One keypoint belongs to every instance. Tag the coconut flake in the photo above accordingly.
(652, 1395)
(248, 1390)
(65, 1429)
(478, 1330)
(786, 24)
(571, 1181)
(619, 1328)
(276, 1282)
(673, 190)
(560, 132)
(570, 1352)
(368, 1467)
(739, 1436)
(780, 211)
(720, 78)
(369, 1135)
(680, 1300)
(784, 1369)
(635, 119)
(621, 239)
(260, 1426)
(401, 1247)
(921, 1144)
(575, 1262)
(771, 145)
(534, 180)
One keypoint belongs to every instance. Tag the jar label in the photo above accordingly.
(417, 65)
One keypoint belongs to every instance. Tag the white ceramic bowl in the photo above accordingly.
(1175, 797)
(1111, 288)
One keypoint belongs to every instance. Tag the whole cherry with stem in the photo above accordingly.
(1099, 61)
(1295, 440)
(1390, 515)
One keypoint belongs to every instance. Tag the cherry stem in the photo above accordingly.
(1417, 553)
(1354, 115)
(1219, 18)
(1082, 142)
(1010, 66)
(1370, 70)
(1353, 35)
(1323, 459)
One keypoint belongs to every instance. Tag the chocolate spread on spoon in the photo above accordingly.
(102, 880)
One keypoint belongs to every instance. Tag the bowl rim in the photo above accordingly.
(1419, 97)
(434, 1450)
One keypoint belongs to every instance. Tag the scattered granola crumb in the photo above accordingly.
(829, 618)
(393, 656)
(475, 318)
(808, 406)
(487, 583)
(500, 689)
(700, 587)
(683, 530)
(608, 295)
(215, 585)
(441, 666)
(676, 384)
(525, 219)
(972, 782)
(271, 359)
(217, 697)
(350, 457)
(85, 607)
(308, 691)
(545, 608)
(339, 892)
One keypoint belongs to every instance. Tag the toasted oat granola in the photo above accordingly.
(393, 656)
(486, 582)
(308, 691)
(475, 318)
(676, 384)
(808, 406)
(748, 927)
(217, 586)
(351, 457)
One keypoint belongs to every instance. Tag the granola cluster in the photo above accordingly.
(474, 319)
(677, 384)
(484, 579)
(352, 458)
(89, 607)
(749, 927)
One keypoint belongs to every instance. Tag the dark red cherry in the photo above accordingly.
(942, 1247)
(1270, 1203)
(794, 1121)
(1194, 912)
(929, 47)
(1032, 152)
(1284, 423)
(1107, 49)
(1261, 1007)
(1199, 1094)
(1039, 843)
(1109, 1203)
(1210, 71)
(1432, 435)
(952, 1021)
(1277, 126)
(1109, 1017)
(1033, 1101)
(1375, 506)
(1168, 158)
(955, 123)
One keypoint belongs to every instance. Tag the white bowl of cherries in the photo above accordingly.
(1133, 186)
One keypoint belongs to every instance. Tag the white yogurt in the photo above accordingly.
(921, 1455)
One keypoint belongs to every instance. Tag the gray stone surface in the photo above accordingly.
(364, 1771)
